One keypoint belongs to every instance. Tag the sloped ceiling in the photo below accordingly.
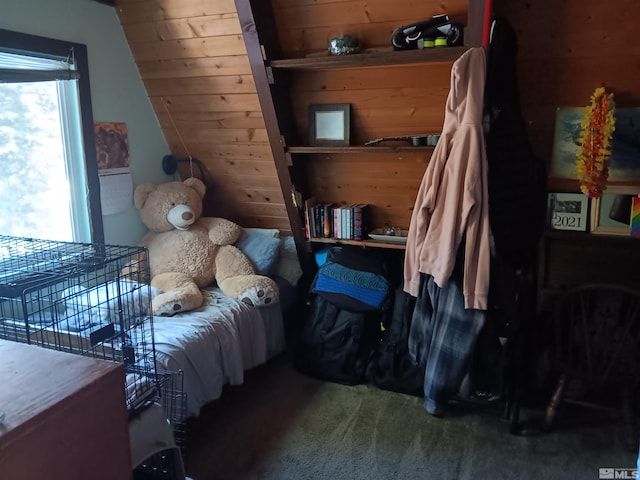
(193, 62)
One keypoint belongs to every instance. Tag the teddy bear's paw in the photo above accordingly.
(175, 308)
(257, 296)
(167, 309)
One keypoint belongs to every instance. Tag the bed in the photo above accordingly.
(215, 344)
(78, 298)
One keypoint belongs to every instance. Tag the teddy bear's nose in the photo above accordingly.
(181, 217)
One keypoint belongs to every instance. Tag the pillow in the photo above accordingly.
(269, 232)
(263, 250)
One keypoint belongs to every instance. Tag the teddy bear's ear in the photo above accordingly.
(197, 185)
(141, 194)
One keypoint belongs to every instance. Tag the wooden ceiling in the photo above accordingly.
(194, 65)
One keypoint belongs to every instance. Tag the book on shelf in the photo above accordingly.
(327, 220)
(348, 223)
(318, 221)
(337, 222)
(309, 217)
(360, 221)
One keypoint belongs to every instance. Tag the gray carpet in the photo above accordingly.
(282, 425)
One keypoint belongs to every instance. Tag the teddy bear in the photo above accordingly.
(188, 252)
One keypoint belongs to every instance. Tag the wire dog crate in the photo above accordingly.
(82, 299)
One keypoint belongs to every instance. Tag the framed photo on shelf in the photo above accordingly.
(568, 211)
(611, 213)
(329, 125)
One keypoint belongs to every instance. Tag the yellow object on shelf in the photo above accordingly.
(441, 42)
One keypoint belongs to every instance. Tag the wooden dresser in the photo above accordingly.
(65, 416)
(569, 259)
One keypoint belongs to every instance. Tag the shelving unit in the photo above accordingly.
(392, 93)
(361, 243)
(385, 57)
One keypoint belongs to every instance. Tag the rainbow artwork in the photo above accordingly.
(635, 217)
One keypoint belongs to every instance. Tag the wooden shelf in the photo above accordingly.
(287, 82)
(358, 149)
(370, 59)
(361, 243)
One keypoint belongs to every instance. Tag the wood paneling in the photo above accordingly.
(305, 26)
(194, 67)
(222, 85)
(188, 48)
(193, 62)
(206, 103)
(234, 152)
(151, 11)
(210, 25)
(407, 102)
(566, 50)
(192, 59)
(214, 119)
(387, 182)
(385, 101)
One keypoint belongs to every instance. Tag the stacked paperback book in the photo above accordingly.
(334, 221)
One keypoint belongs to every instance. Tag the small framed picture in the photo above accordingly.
(611, 214)
(329, 125)
(568, 211)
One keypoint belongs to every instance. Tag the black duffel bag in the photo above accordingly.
(342, 321)
(337, 343)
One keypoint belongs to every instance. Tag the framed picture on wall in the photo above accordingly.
(329, 125)
(611, 213)
(625, 149)
(568, 211)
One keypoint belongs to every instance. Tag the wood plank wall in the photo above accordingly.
(305, 25)
(565, 52)
(193, 62)
(192, 59)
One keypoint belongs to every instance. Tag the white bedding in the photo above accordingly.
(215, 344)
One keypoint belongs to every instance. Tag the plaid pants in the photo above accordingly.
(442, 338)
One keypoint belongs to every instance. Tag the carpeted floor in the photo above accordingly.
(282, 425)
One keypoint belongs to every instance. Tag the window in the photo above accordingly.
(49, 182)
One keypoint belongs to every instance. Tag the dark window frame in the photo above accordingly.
(25, 43)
